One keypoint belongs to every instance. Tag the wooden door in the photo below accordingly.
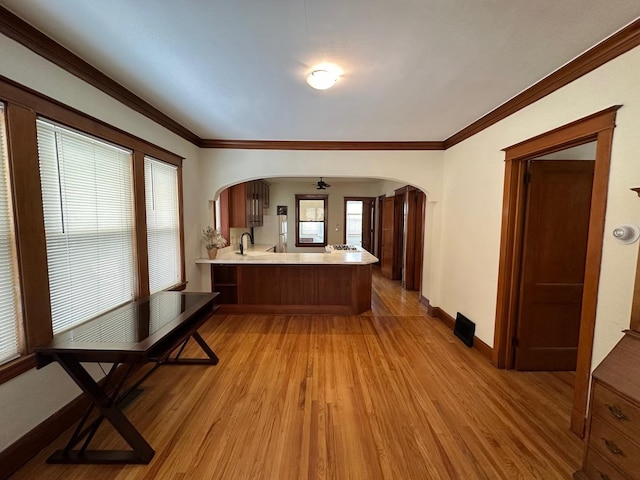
(368, 210)
(415, 239)
(554, 256)
(379, 228)
(387, 261)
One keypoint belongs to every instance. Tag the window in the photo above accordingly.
(311, 220)
(163, 224)
(87, 195)
(71, 227)
(9, 344)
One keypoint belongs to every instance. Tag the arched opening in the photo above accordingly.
(409, 228)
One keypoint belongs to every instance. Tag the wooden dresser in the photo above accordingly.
(612, 448)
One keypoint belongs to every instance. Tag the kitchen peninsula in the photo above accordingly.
(337, 283)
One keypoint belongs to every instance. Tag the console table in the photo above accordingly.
(148, 330)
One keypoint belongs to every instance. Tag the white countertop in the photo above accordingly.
(257, 255)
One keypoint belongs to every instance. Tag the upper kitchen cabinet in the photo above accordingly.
(264, 188)
(246, 203)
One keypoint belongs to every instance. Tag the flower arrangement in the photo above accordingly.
(213, 239)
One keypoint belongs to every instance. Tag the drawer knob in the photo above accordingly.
(612, 447)
(604, 476)
(616, 412)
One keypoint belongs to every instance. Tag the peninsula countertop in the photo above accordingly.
(257, 255)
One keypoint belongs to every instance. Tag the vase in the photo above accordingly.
(213, 252)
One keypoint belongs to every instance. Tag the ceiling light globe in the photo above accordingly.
(321, 79)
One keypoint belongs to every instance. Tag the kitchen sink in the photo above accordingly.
(253, 253)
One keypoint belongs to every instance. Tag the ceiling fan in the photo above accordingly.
(322, 185)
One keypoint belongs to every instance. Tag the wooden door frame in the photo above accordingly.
(373, 218)
(598, 127)
(378, 235)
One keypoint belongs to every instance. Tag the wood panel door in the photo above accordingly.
(379, 227)
(387, 261)
(392, 237)
(415, 239)
(368, 212)
(553, 263)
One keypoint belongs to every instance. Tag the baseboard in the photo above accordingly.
(447, 319)
(436, 312)
(425, 301)
(26, 447)
(578, 423)
(485, 350)
(23, 450)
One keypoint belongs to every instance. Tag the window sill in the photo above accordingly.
(16, 367)
(178, 288)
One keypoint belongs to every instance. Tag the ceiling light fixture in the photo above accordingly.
(322, 185)
(322, 79)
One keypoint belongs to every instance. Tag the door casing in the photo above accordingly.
(598, 127)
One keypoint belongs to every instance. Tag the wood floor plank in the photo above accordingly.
(390, 394)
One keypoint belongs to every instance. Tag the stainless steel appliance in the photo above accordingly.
(273, 231)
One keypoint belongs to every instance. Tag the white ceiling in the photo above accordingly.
(414, 70)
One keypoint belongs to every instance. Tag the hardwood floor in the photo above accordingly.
(391, 394)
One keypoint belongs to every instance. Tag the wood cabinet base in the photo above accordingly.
(294, 289)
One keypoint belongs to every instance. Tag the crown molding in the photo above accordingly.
(318, 145)
(17, 29)
(610, 48)
(20, 31)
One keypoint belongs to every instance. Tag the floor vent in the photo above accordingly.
(464, 329)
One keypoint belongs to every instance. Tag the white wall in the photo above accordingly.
(472, 200)
(32, 397)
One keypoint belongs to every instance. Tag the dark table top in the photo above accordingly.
(135, 328)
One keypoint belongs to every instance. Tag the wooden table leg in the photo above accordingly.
(141, 452)
(212, 360)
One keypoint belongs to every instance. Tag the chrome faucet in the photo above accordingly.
(242, 241)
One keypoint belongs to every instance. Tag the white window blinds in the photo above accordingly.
(87, 197)
(163, 224)
(9, 346)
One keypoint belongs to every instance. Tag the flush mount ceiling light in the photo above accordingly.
(322, 79)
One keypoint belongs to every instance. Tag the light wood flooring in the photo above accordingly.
(391, 394)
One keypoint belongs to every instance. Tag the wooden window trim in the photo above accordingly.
(23, 107)
(324, 198)
(16, 367)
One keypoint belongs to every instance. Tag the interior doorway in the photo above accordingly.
(359, 221)
(599, 128)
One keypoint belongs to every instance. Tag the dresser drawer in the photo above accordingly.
(597, 468)
(615, 447)
(624, 415)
